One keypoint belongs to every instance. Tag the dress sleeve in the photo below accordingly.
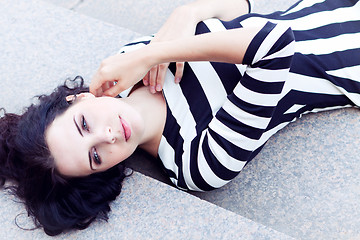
(241, 126)
(136, 44)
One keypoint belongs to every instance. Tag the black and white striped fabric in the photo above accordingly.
(305, 59)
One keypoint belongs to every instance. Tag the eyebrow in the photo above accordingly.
(77, 126)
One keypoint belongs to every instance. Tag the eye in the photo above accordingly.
(84, 124)
(96, 157)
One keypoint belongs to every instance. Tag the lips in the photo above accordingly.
(126, 128)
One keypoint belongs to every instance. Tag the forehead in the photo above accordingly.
(66, 145)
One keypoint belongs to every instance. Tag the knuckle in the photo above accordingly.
(103, 63)
(180, 65)
(161, 81)
(162, 66)
(152, 79)
(104, 71)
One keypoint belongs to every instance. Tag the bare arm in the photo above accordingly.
(129, 68)
(181, 23)
(229, 46)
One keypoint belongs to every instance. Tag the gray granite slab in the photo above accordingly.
(148, 209)
(269, 6)
(144, 16)
(69, 4)
(41, 45)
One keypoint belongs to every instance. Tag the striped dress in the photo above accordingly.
(305, 59)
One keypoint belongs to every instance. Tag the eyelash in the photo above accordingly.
(95, 156)
(84, 124)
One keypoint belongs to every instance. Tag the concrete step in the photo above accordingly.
(144, 16)
(148, 209)
(41, 45)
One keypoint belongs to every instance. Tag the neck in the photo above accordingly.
(152, 107)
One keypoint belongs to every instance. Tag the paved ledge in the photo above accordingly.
(39, 51)
(41, 45)
(144, 16)
(149, 209)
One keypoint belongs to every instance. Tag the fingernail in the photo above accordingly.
(146, 82)
(158, 87)
(177, 80)
(152, 89)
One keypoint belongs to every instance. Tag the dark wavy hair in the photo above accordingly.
(56, 203)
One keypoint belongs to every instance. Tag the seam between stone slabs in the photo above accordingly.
(76, 5)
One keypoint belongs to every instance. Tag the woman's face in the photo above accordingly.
(93, 135)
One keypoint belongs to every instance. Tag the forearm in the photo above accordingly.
(227, 46)
(222, 9)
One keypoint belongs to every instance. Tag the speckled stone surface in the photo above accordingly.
(144, 16)
(269, 6)
(41, 45)
(143, 213)
(69, 4)
(41, 48)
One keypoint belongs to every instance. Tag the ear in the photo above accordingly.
(78, 97)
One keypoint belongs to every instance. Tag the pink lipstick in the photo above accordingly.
(126, 128)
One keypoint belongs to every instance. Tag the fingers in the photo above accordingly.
(108, 85)
(99, 91)
(155, 78)
(112, 91)
(152, 78)
(99, 82)
(161, 76)
(146, 79)
(95, 85)
(179, 71)
(99, 86)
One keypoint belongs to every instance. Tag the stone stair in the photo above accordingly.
(304, 184)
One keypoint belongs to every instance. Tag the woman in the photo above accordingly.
(237, 88)
(221, 115)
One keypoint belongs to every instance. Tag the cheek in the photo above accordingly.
(116, 154)
(121, 153)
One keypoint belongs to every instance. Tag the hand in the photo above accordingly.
(181, 23)
(119, 72)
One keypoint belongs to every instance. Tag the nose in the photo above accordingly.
(107, 135)
(103, 135)
(110, 137)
